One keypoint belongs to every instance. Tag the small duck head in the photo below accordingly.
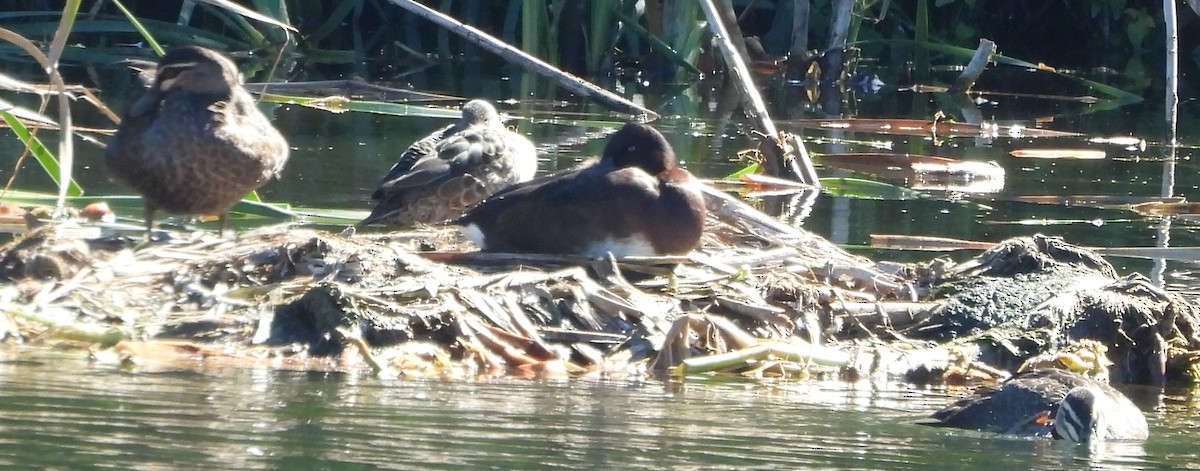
(197, 70)
(479, 112)
(1095, 414)
(639, 145)
(189, 69)
(1077, 418)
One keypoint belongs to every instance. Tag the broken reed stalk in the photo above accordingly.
(979, 62)
(797, 55)
(839, 34)
(530, 63)
(792, 352)
(1171, 18)
(779, 162)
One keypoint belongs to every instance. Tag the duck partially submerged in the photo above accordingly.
(443, 174)
(1048, 403)
(195, 143)
(634, 201)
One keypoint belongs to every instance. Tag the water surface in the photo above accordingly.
(61, 412)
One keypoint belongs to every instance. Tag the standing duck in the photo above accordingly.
(195, 143)
(445, 173)
(1048, 403)
(634, 201)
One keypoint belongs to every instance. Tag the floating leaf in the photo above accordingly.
(1080, 154)
(866, 189)
(1165, 209)
(1095, 201)
(926, 243)
(761, 182)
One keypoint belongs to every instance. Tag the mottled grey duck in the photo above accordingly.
(195, 143)
(443, 174)
(1048, 403)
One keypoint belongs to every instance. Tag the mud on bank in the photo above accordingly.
(757, 298)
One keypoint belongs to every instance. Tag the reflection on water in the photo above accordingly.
(62, 413)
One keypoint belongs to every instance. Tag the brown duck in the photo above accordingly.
(634, 201)
(195, 143)
(443, 174)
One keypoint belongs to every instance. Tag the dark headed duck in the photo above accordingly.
(634, 201)
(195, 143)
(445, 173)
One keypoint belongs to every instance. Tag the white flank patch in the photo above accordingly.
(472, 232)
(635, 246)
(526, 168)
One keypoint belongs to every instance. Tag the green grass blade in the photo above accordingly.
(39, 151)
(340, 104)
(867, 189)
(169, 32)
(663, 48)
(533, 18)
(965, 54)
(752, 168)
(137, 24)
(132, 205)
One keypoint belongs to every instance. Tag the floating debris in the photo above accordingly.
(933, 127)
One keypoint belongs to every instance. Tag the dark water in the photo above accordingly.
(62, 413)
(58, 412)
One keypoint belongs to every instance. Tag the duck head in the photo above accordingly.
(1094, 414)
(639, 145)
(477, 112)
(1077, 418)
(190, 69)
(197, 70)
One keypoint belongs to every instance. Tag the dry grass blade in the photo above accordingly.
(65, 22)
(66, 144)
(26, 45)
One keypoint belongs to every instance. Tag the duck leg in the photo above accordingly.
(222, 221)
(148, 214)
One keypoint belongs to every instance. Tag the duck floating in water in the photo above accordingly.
(634, 201)
(195, 143)
(1048, 403)
(445, 173)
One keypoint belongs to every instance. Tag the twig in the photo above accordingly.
(979, 62)
(533, 64)
(780, 162)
